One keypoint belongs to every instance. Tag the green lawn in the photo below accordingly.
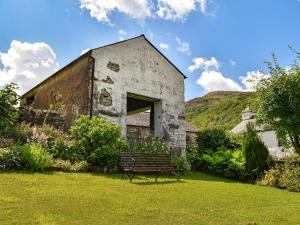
(65, 198)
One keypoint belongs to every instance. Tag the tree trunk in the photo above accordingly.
(296, 143)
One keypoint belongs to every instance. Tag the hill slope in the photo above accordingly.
(220, 109)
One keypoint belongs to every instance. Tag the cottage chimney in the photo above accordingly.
(247, 114)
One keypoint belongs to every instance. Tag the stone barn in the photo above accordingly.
(115, 81)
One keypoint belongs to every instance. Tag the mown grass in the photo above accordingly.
(66, 198)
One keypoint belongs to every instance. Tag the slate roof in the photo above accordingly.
(89, 53)
(143, 119)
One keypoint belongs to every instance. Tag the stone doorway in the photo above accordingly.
(137, 104)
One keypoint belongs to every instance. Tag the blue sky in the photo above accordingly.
(229, 38)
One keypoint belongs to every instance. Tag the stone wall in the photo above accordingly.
(134, 67)
(37, 116)
(141, 132)
(67, 91)
(138, 132)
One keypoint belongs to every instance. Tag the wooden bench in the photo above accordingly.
(133, 163)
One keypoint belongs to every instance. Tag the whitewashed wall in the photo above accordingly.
(138, 68)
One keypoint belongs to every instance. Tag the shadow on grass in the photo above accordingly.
(143, 179)
(195, 175)
(152, 182)
(28, 172)
(150, 179)
(146, 179)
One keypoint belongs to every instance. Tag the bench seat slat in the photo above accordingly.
(138, 163)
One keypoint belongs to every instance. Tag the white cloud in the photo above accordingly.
(175, 9)
(164, 46)
(100, 9)
(215, 81)
(122, 34)
(251, 79)
(232, 62)
(203, 6)
(206, 64)
(183, 47)
(84, 51)
(27, 64)
(211, 79)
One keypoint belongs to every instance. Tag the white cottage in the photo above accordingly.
(267, 135)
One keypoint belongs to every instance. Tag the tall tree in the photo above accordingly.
(9, 99)
(255, 151)
(277, 101)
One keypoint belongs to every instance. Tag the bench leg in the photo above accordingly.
(178, 176)
(156, 177)
(130, 176)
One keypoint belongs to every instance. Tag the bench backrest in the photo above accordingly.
(145, 160)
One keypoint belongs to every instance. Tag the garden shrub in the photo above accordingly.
(224, 163)
(66, 150)
(285, 175)
(6, 141)
(9, 99)
(97, 140)
(33, 157)
(9, 159)
(180, 162)
(255, 151)
(218, 153)
(209, 140)
(105, 156)
(271, 177)
(22, 132)
(44, 135)
(67, 166)
(150, 145)
(290, 178)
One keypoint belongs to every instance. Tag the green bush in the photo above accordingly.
(66, 150)
(9, 159)
(105, 156)
(9, 99)
(97, 140)
(218, 153)
(67, 166)
(271, 177)
(283, 176)
(150, 145)
(224, 163)
(33, 157)
(22, 132)
(290, 178)
(212, 139)
(255, 151)
(180, 162)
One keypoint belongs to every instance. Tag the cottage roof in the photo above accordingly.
(88, 53)
(143, 120)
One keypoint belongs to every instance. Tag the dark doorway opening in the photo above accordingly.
(140, 115)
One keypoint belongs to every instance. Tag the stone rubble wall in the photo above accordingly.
(37, 116)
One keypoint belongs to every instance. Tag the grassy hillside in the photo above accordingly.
(221, 109)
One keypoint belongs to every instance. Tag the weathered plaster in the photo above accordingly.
(67, 91)
(136, 67)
